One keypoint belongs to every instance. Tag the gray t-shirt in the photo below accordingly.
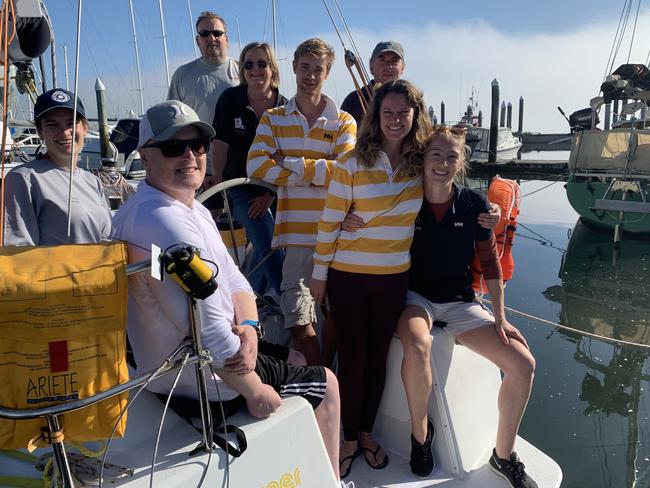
(36, 205)
(200, 84)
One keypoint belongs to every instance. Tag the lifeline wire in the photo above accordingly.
(571, 329)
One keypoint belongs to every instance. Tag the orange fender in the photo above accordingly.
(507, 195)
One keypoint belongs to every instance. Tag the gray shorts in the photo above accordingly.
(296, 302)
(460, 317)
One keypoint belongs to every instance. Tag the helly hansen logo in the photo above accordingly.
(328, 136)
(458, 224)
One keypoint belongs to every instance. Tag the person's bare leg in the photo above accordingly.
(305, 341)
(296, 358)
(518, 367)
(413, 329)
(328, 417)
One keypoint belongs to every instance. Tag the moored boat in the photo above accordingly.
(609, 178)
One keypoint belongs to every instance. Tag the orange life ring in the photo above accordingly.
(507, 195)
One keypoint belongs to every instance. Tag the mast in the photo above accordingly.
(65, 62)
(164, 39)
(137, 57)
(189, 12)
(275, 34)
(238, 33)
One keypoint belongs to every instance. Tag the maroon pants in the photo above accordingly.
(365, 308)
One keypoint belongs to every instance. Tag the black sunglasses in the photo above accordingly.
(215, 33)
(249, 65)
(174, 148)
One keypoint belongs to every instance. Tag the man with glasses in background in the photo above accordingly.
(386, 64)
(201, 82)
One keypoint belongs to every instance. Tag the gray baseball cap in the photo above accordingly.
(385, 46)
(164, 120)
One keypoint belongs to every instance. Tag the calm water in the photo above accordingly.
(590, 402)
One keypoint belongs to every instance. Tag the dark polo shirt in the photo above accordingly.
(352, 105)
(442, 252)
(235, 124)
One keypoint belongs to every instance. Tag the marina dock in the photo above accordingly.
(515, 168)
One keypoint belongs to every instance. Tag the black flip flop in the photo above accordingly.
(383, 464)
(351, 457)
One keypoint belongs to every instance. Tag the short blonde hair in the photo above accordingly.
(273, 64)
(317, 48)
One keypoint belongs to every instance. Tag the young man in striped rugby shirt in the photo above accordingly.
(295, 148)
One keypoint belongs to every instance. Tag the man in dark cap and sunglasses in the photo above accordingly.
(173, 143)
(201, 82)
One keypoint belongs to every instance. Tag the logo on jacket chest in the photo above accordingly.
(458, 224)
(328, 136)
(239, 123)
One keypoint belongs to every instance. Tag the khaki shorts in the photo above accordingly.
(296, 302)
(459, 317)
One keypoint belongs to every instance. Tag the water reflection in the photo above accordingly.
(605, 287)
(605, 291)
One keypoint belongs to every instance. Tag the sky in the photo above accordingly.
(551, 53)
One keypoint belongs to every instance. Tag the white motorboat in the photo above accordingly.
(508, 144)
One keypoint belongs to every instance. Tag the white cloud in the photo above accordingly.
(445, 61)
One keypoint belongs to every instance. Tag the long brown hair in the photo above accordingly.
(369, 138)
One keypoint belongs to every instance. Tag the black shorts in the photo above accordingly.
(287, 379)
(308, 382)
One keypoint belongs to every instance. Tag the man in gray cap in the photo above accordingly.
(173, 143)
(386, 64)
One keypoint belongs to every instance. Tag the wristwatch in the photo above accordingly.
(257, 325)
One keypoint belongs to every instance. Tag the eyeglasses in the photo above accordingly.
(174, 148)
(215, 33)
(249, 65)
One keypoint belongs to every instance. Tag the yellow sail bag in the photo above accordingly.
(62, 337)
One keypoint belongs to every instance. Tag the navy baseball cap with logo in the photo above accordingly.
(56, 98)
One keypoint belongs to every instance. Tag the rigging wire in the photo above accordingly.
(354, 44)
(636, 18)
(619, 31)
(74, 115)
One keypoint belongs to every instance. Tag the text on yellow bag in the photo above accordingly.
(62, 337)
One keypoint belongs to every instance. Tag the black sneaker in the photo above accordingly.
(422, 460)
(511, 470)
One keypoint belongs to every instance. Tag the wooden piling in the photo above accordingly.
(502, 115)
(494, 122)
(480, 118)
(608, 115)
(100, 94)
(442, 113)
(509, 116)
(520, 129)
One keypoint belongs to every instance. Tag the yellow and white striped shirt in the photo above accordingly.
(387, 200)
(310, 157)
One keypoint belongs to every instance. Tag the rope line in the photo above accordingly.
(570, 329)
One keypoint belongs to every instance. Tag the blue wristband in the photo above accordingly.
(252, 323)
